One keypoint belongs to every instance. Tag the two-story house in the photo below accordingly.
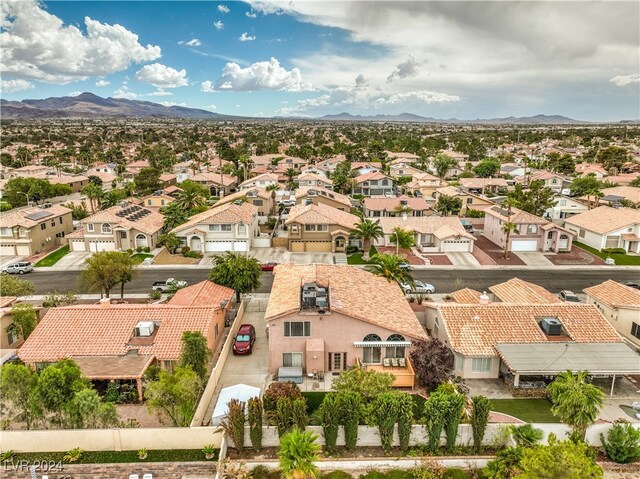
(318, 227)
(324, 196)
(311, 180)
(564, 207)
(258, 197)
(219, 184)
(119, 228)
(261, 181)
(229, 227)
(485, 186)
(424, 184)
(373, 184)
(327, 318)
(397, 170)
(158, 199)
(607, 227)
(470, 201)
(379, 207)
(27, 231)
(533, 233)
(551, 180)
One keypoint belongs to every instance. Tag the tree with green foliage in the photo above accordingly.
(93, 192)
(575, 400)
(368, 231)
(351, 410)
(455, 407)
(508, 228)
(12, 286)
(104, 270)
(329, 414)
(17, 383)
(255, 411)
(147, 181)
(283, 415)
(291, 174)
(25, 319)
(535, 200)
(487, 168)
(405, 419)
(96, 180)
(480, 409)
(588, 186)
(125, 266)
(299, 413)
(561, 164)
(506, 465)
(159, 156)
(613, 157)
(401, 238)
(448, 205)
(622, 444)
(57, 298)
(241, 273)
(86, 410)
(78, 211)
(342, 176)
(233, 423)
(368, 383)
(442, 163)
(297, 455)
(432, 362)
(174, 394)
(384, 413)
(169, 241)
(18, 191)
(174, 215)
(111, 199)
(195, 353)
(193, 195)
(559, 460)
(391, 267)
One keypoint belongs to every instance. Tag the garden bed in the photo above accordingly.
(314, 399)
(113, 457)
(165, 258)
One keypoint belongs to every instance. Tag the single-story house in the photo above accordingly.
(607, 227)
(432, 234)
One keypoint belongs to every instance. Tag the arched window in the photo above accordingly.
(106, 228)
(395, 351)
(242, 229)
(371, 354)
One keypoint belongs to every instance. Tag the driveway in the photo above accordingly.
(462, 259)
(72, 260)
(282, 255)
(534, 258)
(5, 260)
(253, 369)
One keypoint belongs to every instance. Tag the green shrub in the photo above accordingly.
(506, 465)
(261, 472)
(474, 213)
(254, 413)
(622, 444)
(139, 249)
(155, 294)
(147, 249)
(192, 254)
(271, 222)
(614, 250)
(479, 418)
(452, 420)
(374, 475)
(435, 412)
(350, 249)
(314, 400)
(337, 475)
(350, 405)
(185, 249)
(456, 473)
(329, 413)
(384, 413)
(233, 422)
(299, 411)
(279, 390)
(405, 420)
(283, 415)
(526, 435)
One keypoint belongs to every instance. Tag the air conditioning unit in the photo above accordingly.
(551, 326)
(322, 303)
(144, 329)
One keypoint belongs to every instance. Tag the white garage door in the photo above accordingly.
(102, 246)
(218, 246)
(240, 246)
(23, 250)
(7, 250)
(451, 246)
(522, 245)
(77, 245)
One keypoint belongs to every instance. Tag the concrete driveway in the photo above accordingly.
(533, 258)
(282, 255)
(72, 260)
(463, 259)
(253, 369)
(5, 260)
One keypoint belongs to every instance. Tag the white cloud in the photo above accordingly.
(251, 14)
(218, 24)
(245, 37)
(361, 81)
(162, 76)
(260, 76)
(170, 103)
(36, 44)
(210, 107)
(75, 93)
(124, 92)
(622, 80)
(191, 43)
(412, 97)
(12, 86)
(259, 115)
(160, 92)
(223, 9)
(408, 68)
(103, 83)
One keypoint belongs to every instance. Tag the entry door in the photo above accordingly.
(337, 361)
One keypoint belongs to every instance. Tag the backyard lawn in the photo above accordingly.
(620, 259)
(356, 258)
(53, 258)
(140, 257)
(529, 410)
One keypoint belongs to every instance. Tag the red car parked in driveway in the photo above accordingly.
(245, 337)
(268, 266)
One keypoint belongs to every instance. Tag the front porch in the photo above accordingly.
(401, 368)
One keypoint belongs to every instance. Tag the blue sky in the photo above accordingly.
(266, 58)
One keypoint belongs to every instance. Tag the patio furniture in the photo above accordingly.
(147, 476)
(402, 362)
(386, 362)
(394, 362)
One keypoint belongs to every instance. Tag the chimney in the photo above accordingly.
(484, 298)
(105, 302)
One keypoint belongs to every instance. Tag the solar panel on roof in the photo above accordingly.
(38, 215)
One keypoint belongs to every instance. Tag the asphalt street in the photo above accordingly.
(445, 280)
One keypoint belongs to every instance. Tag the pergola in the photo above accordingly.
(550, 359)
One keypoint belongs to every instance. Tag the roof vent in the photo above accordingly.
(238, 202)
(484, 298)
(551, 326)
(158, 193)
(404, 202)
(144, 329)
(124, 204)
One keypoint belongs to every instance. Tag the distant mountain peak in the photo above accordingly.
(412, 117)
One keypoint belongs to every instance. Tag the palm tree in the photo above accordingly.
(297, 455)
(390, 266)
(192, 195)
(93, 192)
(576, 401)
(110, 198)
(368, 230)
(508, 227)
(291, 175)
(273, 188)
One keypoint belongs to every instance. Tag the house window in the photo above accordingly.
(106, 228)
(481, 365)
(12, 334)
(162, 202)
(292, 360)
(215, 331)
(22, 232)
(242, 229)
(581, 233)
(550, 235)
(385, 182)
(457, 362)
(257, 202)
(336, 361)
(123, 235)
(532, 229)
(297, 329)
(371, 354)
(216, 228)
(60, 235)
(554, 181)
(563, 203)
(90, 227)
(60, 219)
(53, 222)
(469, 201)
(6, 231)
(436, 327)
(43, 226)
(635, 330)
(395, 351)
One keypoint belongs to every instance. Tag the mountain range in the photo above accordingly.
(89, 105)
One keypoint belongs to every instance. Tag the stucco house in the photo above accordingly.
(323, 196)
(319, 227)
(262, 181)
(564, 208)
(218, 184)
(551, 180)
(424, 184)
(27, 231)
(373, 184)
(432, 234)
(258, 197)
(326, 318)
(119, 228)
(607, 227)
(395, 206)
(613, 196)
(533, 234)
(230, 227)
(484, 186)
(470, 201)
(620, 304)
(311, 180)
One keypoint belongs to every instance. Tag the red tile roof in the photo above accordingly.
(204, 293)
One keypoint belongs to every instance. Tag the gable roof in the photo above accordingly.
(614, 294)
(483, 182)
(321, 214)
(466, 296)
(516, 290)
(630, 193)
(107, 330)
(24, 217)
(517, 216)
(604, 219)
(390, 204)
(204, 293)
(314, 177)
(352, 292)
(229, 213)
(123, 216)
(441, 226)
(262, 177)
(325, 193)
(475, 329)
(372, 175)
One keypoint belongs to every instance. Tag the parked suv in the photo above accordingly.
(245, 337)
(569, 296)
(19, 268)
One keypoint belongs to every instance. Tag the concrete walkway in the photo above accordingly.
(534, 258)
